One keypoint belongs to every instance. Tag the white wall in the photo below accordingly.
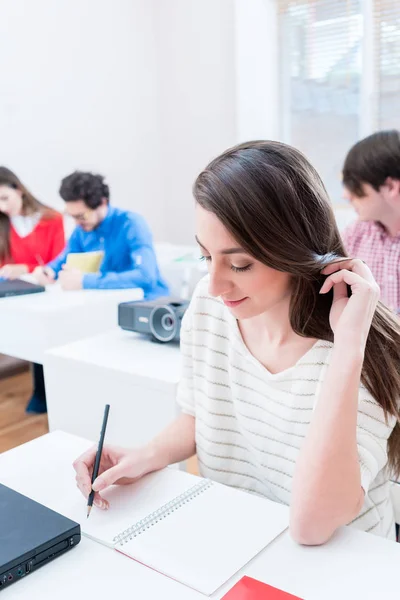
(196, 62)
(78, 90)
(139, 90)
(143, 91)
(256, 65)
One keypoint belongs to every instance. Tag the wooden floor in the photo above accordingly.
(16, 427)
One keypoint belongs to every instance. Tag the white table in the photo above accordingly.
(136, 376)
(352, 565)
(31, 324)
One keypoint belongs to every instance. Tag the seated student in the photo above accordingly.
(371, 178)
(31, 234)
(129, 258)
(286, 390)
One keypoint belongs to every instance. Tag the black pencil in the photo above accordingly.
(41, 263)
(98, 457)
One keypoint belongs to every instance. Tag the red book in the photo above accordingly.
(251, 589)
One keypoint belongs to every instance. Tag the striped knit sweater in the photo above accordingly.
(250, 423)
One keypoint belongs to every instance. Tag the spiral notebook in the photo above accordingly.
(193, 530)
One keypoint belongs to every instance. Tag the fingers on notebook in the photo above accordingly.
(84, 487)
(84, 484)
(100, 502)
(108, 477)
(99, 484)
(97, 500)
(83, 465)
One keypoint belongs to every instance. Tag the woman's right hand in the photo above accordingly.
(117, 466)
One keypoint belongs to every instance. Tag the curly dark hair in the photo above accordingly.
(84, 186)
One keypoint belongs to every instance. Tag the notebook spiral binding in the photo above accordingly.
(162, 512)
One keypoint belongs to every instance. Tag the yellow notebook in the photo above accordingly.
(86, 262)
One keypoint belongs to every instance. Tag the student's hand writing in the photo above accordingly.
(350, 317)
(118, 466)
(44, 275)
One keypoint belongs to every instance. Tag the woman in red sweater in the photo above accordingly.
(31, 233)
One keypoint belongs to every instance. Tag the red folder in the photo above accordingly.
(251, 589)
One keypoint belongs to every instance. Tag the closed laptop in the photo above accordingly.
(31, 535)
(18, 287)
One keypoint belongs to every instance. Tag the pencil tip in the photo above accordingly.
(88, 511)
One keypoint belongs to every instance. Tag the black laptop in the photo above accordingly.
(18, 287)
(31, 535)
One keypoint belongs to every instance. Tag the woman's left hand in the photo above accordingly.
(350, 317)
(13, 271)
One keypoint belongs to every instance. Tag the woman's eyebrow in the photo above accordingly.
(235, 250)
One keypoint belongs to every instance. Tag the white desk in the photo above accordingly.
(353, 565)
(31, 324)
(136, 376)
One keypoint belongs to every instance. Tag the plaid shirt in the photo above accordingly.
(369, 241)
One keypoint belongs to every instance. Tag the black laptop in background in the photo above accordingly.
(31, 535)
(18, 287)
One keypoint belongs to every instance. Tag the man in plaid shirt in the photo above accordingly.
(371, 178)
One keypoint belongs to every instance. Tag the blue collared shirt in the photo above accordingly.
(129, 258)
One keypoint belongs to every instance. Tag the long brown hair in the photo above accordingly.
(30, 205)
(273, 202)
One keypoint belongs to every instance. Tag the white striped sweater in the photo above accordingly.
(250, 423)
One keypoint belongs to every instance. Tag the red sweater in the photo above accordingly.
(43, 244)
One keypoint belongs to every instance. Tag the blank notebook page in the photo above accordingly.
(209, 538)
(129, 504)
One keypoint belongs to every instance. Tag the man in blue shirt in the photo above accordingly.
(129, 259)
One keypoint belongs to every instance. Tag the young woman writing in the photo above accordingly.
(290, 385)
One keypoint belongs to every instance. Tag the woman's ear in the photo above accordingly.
(392, 188)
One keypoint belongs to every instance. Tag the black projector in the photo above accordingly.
(159, 318)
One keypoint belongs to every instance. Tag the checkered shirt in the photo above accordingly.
(369, 241)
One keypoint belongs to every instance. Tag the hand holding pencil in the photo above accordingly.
(119, 466)
(43, 275)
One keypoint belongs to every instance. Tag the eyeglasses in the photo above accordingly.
(81, 218)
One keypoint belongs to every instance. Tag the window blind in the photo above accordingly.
(386, 16)
(320, 48)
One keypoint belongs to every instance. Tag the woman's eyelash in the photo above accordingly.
(235, 269)
(241, 269)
